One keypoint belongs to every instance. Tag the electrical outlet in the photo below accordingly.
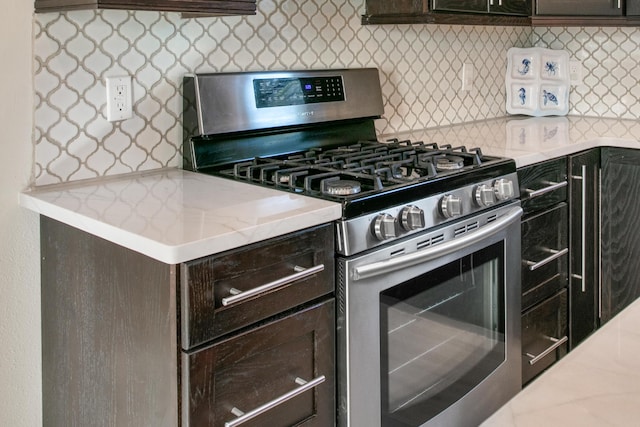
(119, 98)
(575, 72)
(468, 75)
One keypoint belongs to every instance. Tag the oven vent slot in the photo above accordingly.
(398, 252)
(437, 239)
(432, 241)
(423, 244)
(465, 229)
(492, 218)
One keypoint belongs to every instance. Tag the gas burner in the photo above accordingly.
(449, 163)
(341, 187)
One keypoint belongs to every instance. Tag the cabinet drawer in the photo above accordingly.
(544, 335)
(543, 185)
(213, 289)
(257, 367)
(545, 254)
(579, 7)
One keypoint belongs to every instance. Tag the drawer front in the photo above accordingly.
(579, 7)
(545, 254)
(544, 335)
(543, 185)
(213, 289)
(259, 366)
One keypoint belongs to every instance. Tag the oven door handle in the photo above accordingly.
(404, 261)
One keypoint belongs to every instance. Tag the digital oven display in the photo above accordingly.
(282, 92)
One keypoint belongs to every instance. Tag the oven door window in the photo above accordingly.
(442, 333)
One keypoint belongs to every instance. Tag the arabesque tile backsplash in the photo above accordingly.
(419, 68)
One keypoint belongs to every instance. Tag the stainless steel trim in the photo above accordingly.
(226, 103)
(556, 343)
(599, 202)
(555, 255)
(355, 236)
(244, 417)
(430, 253)
(583, 242)
(237, 298)
(552, 187)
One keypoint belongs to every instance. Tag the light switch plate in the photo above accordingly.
(119, 98)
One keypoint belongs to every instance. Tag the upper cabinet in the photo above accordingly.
(602, 13)
(196, 7)
(579, 7)
(586, 13)
(506, 7)
(468, 12)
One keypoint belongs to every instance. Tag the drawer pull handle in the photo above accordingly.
(583, 244)
(556, 343)
(555, 254)
(552, 187)
(244, 417)
(239, 296)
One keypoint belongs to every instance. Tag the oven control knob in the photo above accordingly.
(503, 189)
(451, 206)
(484, 195)
(384, 227)
(412, 218)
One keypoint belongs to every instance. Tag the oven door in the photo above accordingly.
(431, 331)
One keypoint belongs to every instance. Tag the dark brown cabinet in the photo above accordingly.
(584, 225)
(462, 12)
(545, 250)
(580, 7)
(128, 340)
(545, 254)
(620, 212)
(508, 7)
(217, 291)
(586, 13)
(206, 7)
(544, 335)
(286, 365)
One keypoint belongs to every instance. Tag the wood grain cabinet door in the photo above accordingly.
(579, 7)
(216, 291)
(544, 335)
(265, 367)
(620, 229)
(584, 268)
(461, 5)
(510, 7)
(545, 254)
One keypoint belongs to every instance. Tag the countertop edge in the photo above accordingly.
(313, 213)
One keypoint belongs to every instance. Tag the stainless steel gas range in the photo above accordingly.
(428, 245)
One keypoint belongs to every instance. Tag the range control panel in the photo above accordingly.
(280, 92)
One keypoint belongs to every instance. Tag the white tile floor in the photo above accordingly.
(597, 384)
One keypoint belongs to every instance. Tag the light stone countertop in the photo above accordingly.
(174, 215)
(530, 140)
(595, 385)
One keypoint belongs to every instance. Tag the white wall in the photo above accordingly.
(20, 360)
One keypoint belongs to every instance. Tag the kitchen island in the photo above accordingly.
(596, 384)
